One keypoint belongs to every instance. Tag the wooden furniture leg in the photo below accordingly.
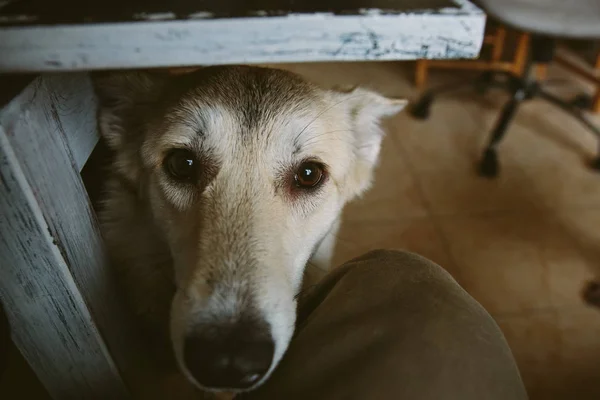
(54, 282)
(521, 54)
(498, 44)
(596, 100)
(421, 73)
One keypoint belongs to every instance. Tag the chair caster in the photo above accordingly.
(420, 109)
(591, 294)
(582, 101)
(488, 166)
(595, 164)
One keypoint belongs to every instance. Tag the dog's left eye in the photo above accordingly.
(181, 165)
(309, 174)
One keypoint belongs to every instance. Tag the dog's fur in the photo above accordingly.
(235, 243)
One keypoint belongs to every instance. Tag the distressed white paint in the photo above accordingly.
(54, 282)
(50, 322)
(73, 104)
(17, 18)
(154, 16)
(201, 15)
(293, 38)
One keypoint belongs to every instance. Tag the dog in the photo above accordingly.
(225, 182)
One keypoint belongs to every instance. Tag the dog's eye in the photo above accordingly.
(309, 174)
(181, 165)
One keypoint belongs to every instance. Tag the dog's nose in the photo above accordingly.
(237, 359)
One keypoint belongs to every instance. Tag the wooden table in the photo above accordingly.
(54, 282)
(151, 33)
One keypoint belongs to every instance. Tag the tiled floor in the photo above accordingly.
(523, 245)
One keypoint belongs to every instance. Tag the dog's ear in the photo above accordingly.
(366, 110)
(124, 98)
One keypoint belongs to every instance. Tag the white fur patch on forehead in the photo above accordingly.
(212, 124)
(327, 137)
(197, 126)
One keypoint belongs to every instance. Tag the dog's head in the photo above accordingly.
(244, 170)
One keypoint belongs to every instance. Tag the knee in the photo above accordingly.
(383, 262)
(407, 277)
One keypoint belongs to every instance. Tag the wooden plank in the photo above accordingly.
(498, 44)
(164, 41)
(68, 12)
(421, 73)
(477, 65)
(75, 112)
(54, 280)
(48, 316)
(521, 53)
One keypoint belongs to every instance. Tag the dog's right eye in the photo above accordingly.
(181, 165)
(309, 175)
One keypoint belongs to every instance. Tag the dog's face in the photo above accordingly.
(244, 171)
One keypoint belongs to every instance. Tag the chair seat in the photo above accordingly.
(561, 18)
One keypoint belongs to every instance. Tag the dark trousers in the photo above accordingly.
(393, 325)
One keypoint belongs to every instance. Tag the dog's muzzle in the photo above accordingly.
(229, 357)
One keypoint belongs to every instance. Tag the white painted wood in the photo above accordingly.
(50, 322)
(371, 35)
(73, 106)
(54, 281)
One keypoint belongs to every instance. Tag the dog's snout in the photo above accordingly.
(234, 358)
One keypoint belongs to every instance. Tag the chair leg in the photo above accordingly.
(578, 114)
(420, 109)
(489, 165)
(596, 102)
(421, 73)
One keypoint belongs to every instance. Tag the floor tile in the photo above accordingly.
(535, 341)
(541, 134)
(569, 264)
(450, 137)
(501, 259)
(583, 227)
(461, 191)
(580, 352)
(557, 352)
(418, 235)
(559, 152)
(557, 184)
(394, 194)
(518, 262)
